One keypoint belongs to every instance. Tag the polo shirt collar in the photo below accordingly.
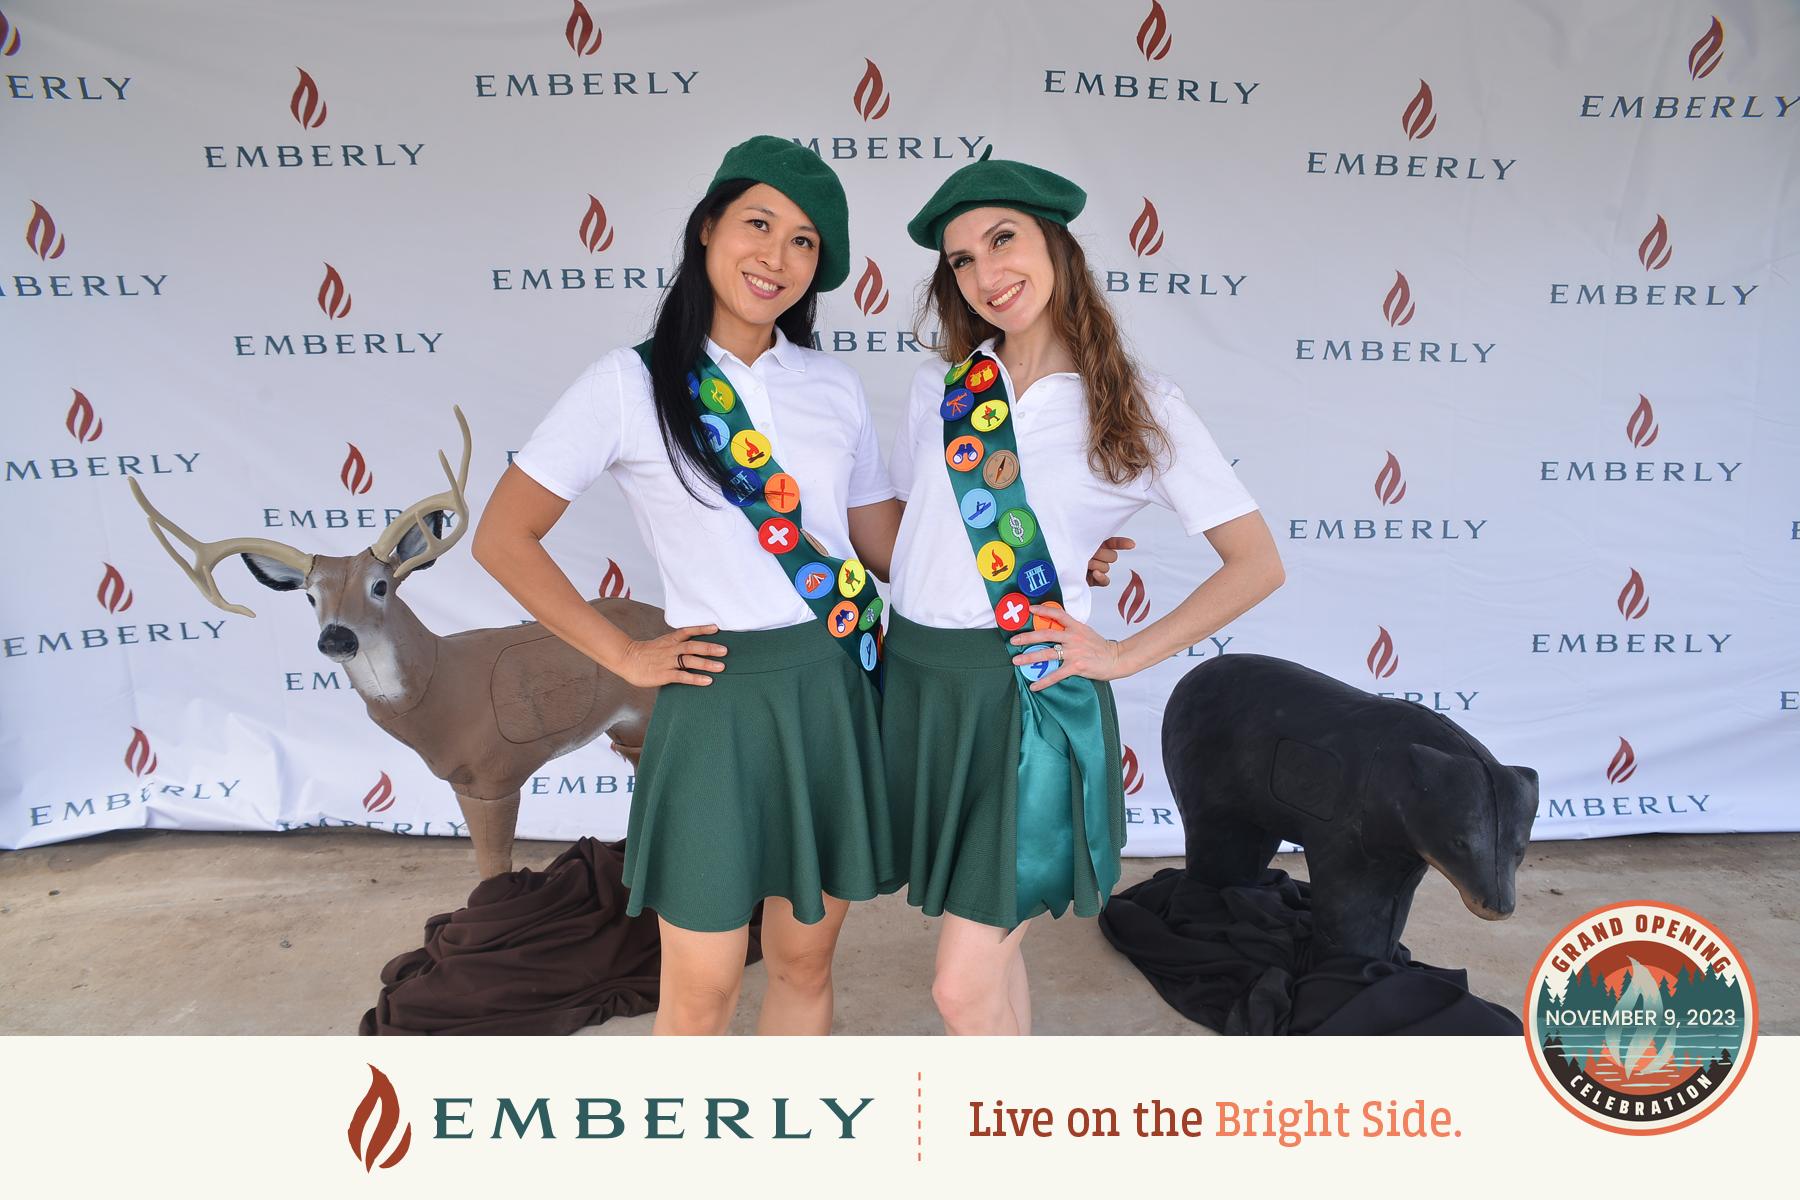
(785, 352)
(987, 348)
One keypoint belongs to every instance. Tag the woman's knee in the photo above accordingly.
(802, 968)
(967, 991)
(698, 1004)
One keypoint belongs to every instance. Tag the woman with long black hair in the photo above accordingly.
(761, 777)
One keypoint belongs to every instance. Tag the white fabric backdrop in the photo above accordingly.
(1492, 304)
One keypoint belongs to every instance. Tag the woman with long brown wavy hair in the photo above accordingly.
(998, 727)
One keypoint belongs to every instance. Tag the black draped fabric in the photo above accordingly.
(1239, 960)
(533, 952)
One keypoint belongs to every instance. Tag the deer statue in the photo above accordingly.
(484, 708)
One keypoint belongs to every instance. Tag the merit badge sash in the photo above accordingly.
(1062, 748)
(839, 591)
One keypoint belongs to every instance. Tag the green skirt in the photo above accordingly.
(768, 782)
(950, 734)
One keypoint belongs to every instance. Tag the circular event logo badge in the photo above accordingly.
(1641, 1017)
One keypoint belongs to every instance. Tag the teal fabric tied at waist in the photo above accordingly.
(1063, 761)
(1062, 753)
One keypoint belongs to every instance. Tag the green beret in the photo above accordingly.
(805, 178)
(999, 183)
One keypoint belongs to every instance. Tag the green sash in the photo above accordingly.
(1062, 754)
(839, 591)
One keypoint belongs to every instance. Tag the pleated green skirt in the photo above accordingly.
(950, 735)
(766, 783)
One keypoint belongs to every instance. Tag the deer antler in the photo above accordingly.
(207, 555)
(414, 517)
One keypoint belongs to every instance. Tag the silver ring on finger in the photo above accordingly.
(1059, 652)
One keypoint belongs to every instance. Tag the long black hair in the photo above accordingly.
(683, 320)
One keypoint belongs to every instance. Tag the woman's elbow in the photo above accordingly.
(485, 546)
(1270, 573)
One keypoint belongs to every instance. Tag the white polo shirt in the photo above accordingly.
(714, 571)
(934, 579)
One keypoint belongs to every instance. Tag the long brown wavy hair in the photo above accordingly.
(1124, 440)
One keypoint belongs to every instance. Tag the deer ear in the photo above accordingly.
(414, 541)
(273, 574)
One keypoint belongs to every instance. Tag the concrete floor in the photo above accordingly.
(161, 932)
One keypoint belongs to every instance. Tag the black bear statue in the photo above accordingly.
(1373, 789)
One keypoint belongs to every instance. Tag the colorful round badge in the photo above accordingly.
(978, 508)
(957, 372)
(871, 613)
(693, 385)
(1037, 670)
(956, 404)
(995, 560)
(841, 621)
(1017, 527)
(813, 580)
(868, 651)
(749, 448)
(779, 535)
(852, 578)
(743, 486)
(1001, 470)
(782, 492)
(1013, 611)
(1040, 621)
(717, 395)
(717, 432)
(964, 454)
(1037, 577)
(988, 416)
(982, 375)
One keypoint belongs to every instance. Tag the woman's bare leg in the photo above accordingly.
(799, 998)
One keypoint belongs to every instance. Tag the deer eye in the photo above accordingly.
(380, 588)
(312, 600)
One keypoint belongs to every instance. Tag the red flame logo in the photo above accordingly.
(1418, 120)
(871, 297)
(138, 756)
(1382, 660)
(1398, 306)
(1654, 250)
(1633, 602)
(1707, 53)
(113, 595)
(1642, 427)
(581, 33)
(305, 104)
(357, 477)
(1134, 779)
(596, 234)
(41, 235)
(1153, 35)
(9, 36)
(380, 1095)
(1146, 231)
(1390, 488)
(334, 297)
(1134, 601)
(871, 99)
(612, 584)
(380, 798)
(81, 422)
(1623, 765)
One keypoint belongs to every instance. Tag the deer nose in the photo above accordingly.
(337, 642)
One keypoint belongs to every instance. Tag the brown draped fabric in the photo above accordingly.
(533, 952)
